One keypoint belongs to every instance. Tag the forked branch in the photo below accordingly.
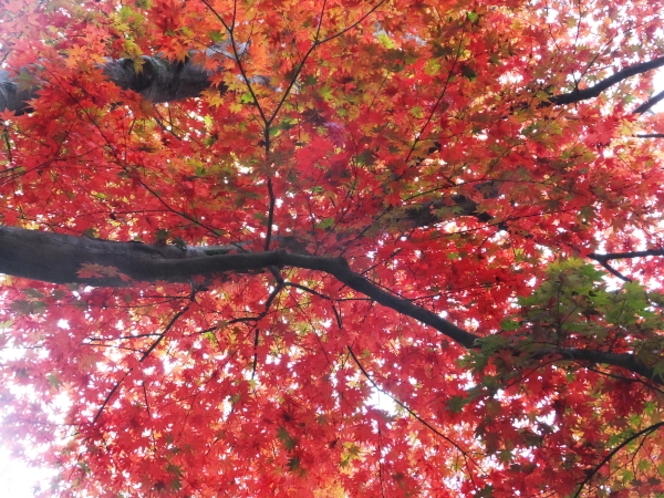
(59, 258)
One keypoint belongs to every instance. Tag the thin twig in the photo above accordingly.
(645, 432)
(410, 411)
(270, 214)
(143, 357)
(614, 272)
(307, 289)
(268, 305)
(650, 103)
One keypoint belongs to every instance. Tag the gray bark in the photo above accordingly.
(158, 80)
(57, 258)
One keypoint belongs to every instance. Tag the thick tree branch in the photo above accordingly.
(158, 80)
(649, 135)
(650, 103)
(623, 360)
(58, 258)
(594, 91)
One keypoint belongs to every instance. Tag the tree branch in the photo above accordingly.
(594, 91)
(466, 455)
(603, 259)
(625, 255)
(648, 104)
(649, 135)
(143, 357)
(623, 360)
(645, 432)
(159, 80)
(58, 258)
(613, 271)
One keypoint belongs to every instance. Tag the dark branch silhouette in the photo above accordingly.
(603, 259)
(578, 95)
(648, 104)
(626, 255)
(58, 258)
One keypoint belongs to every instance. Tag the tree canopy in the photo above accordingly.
(333, 247)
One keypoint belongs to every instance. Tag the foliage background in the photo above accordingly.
(446, 150)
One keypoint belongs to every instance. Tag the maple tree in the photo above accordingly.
(229, 226)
